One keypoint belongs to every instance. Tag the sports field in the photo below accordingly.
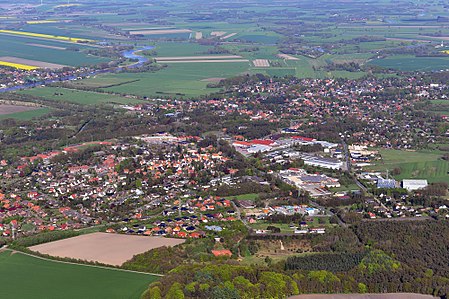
(415, 165)
(249, 196)
(78, 96)
(30, 277)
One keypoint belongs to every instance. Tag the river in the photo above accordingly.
(129, 54)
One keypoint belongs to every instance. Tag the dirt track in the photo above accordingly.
(111, 249)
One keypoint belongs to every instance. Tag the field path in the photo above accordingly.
(85, 265)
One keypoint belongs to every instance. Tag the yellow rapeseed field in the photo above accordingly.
(67, 5)
(18, 66)
(56, 37)
(41, 22)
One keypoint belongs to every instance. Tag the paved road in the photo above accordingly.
(347, 165)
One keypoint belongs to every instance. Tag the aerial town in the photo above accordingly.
(231, 150)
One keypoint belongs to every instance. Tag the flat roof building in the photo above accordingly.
(412, 185)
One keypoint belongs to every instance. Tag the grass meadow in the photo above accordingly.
(78, 96)
(30, 277)
(27, 115)
(415, 165)
(180, 79)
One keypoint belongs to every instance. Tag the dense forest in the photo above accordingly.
(377, 256)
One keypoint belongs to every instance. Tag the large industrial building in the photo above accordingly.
(412, 185)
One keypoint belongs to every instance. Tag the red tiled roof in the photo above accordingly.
(262, 142)
(303, 138)
(223, 252)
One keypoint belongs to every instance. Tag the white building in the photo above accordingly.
(412, 185)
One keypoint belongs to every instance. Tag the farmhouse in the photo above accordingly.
(223, 252)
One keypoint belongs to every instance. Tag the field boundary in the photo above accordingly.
(15, 251)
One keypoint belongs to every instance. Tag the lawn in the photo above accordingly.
(285, 228)
(29, 277)
(78, 96)
(415, 165)
(249, 196)
(27, 115)
(350, 187)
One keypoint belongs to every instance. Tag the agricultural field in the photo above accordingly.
(412, 63)
(10, 109)
(111, 249)
(337, 39)
(27, 64)
(78, 96)
(163, 48)
(46, 36)
(180, 79)
(27, 114)
(52, 279)
(46, 51)
(414, 165)
(19, 66)
(158, 32)
(69, 29)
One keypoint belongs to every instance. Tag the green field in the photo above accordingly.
(411, 63)
(78, 96)
(179, 49)
(18, 46)
(67, 29)
(350, 187)
(27, 115)
(181, 79)
(415, 165)
(249, 196)
(29, 277)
